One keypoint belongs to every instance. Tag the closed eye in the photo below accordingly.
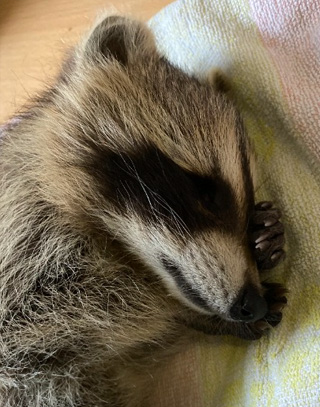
(214, 194)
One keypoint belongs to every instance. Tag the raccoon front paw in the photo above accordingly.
(267, 236)
(276, 300)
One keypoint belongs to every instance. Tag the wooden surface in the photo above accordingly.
(34, 33)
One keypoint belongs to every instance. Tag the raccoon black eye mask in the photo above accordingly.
(155, 186)
(127, 222)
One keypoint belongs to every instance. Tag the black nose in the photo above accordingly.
(249, 307)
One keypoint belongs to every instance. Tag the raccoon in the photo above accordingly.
(128, 223)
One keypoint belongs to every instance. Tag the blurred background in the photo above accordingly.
(35, 33)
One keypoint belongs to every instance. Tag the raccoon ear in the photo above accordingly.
(118, 38)
(219, 81)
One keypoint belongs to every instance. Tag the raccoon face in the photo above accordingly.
(189, 228)
(167, 166)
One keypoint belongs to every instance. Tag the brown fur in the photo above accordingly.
(88, 310)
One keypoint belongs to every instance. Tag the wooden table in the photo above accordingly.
(34, 34)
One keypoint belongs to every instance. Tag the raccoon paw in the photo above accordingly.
(267, 236)
(276, 300)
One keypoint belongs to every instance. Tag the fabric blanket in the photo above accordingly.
(270, 50)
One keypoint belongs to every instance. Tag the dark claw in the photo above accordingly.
(275, 297)
(274, 291)
(272, 262)
(276, 300)
(274, 318)
(263, 246)
(271, 215)
(262, 325)
(277, 307)
(277, 256)
(267, 253)
(263, 205)
(266, 235)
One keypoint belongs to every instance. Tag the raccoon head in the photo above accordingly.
(161, 162)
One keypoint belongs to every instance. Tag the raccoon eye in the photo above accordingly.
(210, 200)
(213, 194)
(210, 196)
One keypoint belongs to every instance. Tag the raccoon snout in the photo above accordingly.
(249, 306)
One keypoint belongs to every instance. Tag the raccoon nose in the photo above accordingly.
(249, 307)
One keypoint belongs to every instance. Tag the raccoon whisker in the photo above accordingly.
(180, 224)
(164, 204)
(126, 187)
(21, 84)
(178, 221)
(142, 184)
(263, 182)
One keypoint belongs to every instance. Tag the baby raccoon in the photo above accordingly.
(127, 220)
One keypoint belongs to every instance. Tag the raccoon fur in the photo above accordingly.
(127, 222)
